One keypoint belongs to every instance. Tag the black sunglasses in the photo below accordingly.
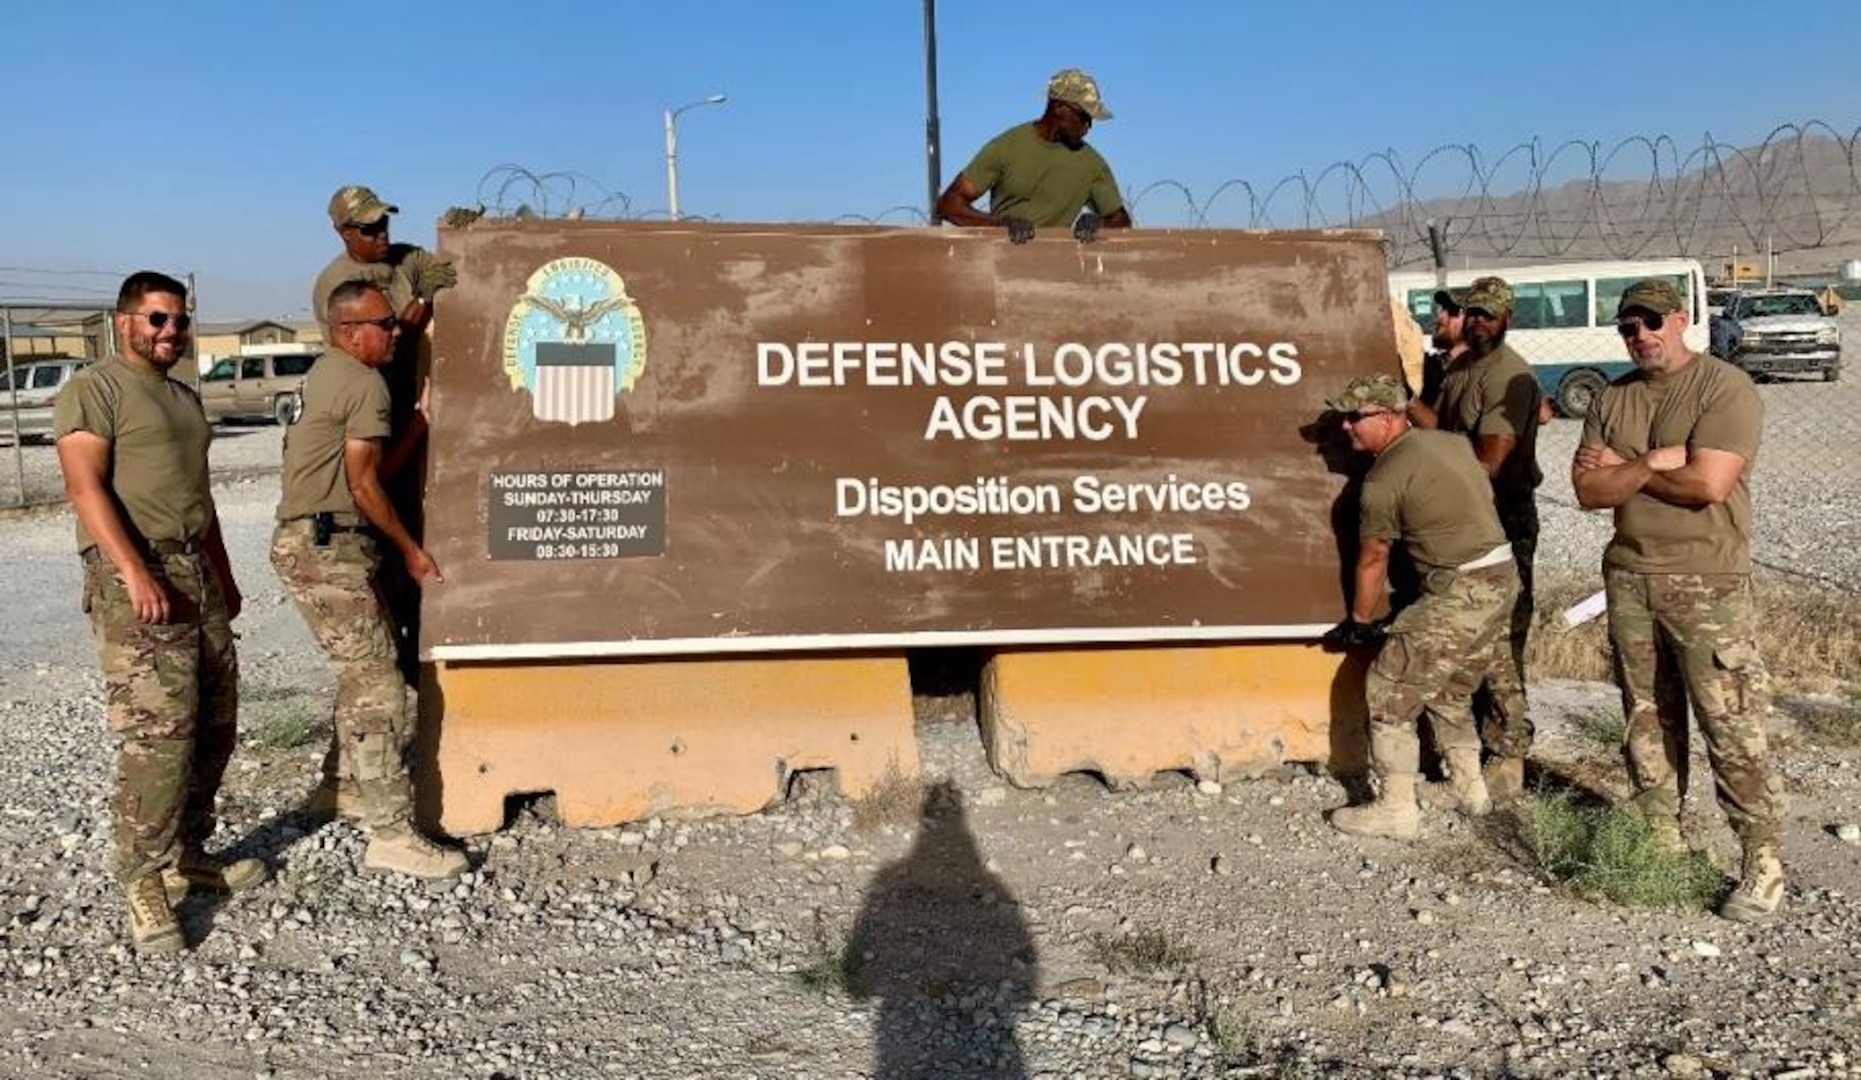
(373, 228)
(386, 322)
(159, 319)
(1631, 326)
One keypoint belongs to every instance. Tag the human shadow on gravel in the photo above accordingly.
(941, 943)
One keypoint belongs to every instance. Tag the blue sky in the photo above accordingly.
(207, 136)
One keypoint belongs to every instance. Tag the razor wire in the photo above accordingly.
(1799, 189)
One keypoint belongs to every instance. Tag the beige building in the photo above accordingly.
(213, 339)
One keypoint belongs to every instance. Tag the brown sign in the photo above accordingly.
(791, 437)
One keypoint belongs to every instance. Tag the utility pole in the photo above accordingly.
(933, 135)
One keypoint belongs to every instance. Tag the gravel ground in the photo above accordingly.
(1184, 930)
(714, 948)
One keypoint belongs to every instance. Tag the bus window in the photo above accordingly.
(1422, 306)
(1550, 305)
(1609, 293)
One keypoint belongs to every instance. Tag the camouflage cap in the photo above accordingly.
(354, 204)
(1384, 390)
(1075, 87)
(1655, 294)
(1491, 295)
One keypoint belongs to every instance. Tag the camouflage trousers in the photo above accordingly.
(334, 588)
(1499, 705)
(1689, 636)
(172, 693)
(1439, 647)
(400, 598)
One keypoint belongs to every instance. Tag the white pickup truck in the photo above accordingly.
(1779, 332)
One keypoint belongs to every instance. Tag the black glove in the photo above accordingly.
(1020, 230)
(1351, 634)
(1086, 229)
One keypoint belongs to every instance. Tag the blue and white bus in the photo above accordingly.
(1563, 317)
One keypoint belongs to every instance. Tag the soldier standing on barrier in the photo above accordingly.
(1489, 395)
(1427, 492)
(1669, 448)
(412, 278)
(160, 594)
(332, 521)
(1042, 174)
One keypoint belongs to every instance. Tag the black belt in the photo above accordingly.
(324, 524)
(174, 547)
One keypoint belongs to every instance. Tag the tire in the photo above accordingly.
(1577, 390)
(286, 408)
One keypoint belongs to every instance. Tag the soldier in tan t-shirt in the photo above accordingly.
(1427, 493)
(1488, 395)
(333, 517)
(1669, 448)
(412, 277)
(1042, 174)
(160, 594)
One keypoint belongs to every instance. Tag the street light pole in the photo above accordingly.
(671, 117)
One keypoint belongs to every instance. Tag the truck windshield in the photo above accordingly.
(1760, 306)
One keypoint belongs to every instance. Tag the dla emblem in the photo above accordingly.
(574, 340)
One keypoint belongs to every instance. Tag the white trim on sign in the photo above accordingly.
(674, 648)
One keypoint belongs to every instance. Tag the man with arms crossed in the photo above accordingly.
(332, 521)
(159, 591)
(1669, 448)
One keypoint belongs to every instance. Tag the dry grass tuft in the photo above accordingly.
(1147, 952)
(895, 800)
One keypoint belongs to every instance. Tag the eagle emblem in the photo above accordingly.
(575, 341)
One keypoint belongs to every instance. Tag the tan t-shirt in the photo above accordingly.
(396, 275)
(412, 356)
(343, 399)
(1496, 395)
(1428, 491)
(158, 437)
(1708, 404)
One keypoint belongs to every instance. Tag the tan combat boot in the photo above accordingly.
(152, 925)
(1394, 814)
(1760, 888)
(404, 851)
(1505, 779)
(1463, 778)
(199, 870)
